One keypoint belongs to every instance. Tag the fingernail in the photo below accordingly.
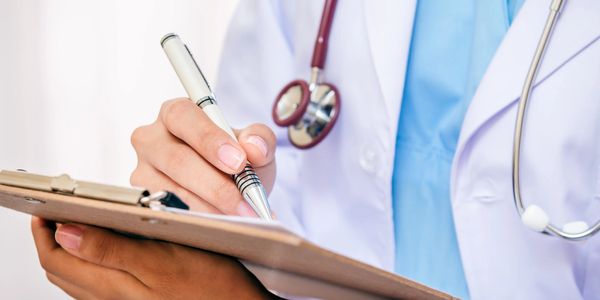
(245, 210)
(69, 236)
(230, 156)
(259, 143)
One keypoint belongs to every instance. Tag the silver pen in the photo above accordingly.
(200, 92)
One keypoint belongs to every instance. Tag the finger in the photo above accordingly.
(99, 281)
(259, 144)
(100, 246)
(71, 289)
(148, 177)
(185, 167)
(154, 264)
(43, 236)
(189, 123)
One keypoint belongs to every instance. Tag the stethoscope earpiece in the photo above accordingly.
(533, 216)
(537, 219)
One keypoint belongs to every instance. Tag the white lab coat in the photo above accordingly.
(338, 194)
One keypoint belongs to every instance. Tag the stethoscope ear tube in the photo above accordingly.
(533, 216)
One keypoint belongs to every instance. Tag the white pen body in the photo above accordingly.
(214, 113)
(193, 80)
(199, 92)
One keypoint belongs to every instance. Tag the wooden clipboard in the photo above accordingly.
(281, 260)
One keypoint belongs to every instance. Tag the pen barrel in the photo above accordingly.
(187, 69)
(214, 114)
(200, 93)
(246, 178)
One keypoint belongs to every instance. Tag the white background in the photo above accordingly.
(76, 77)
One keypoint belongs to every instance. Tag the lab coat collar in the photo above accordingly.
(389, 29)
(578, 27)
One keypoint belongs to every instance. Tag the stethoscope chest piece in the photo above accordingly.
(308, 110)
(291, 103)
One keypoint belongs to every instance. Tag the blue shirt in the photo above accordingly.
(453, 42)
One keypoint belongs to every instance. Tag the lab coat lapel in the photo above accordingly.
(578, 27)
(389, 30)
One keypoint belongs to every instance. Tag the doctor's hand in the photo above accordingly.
(184, 152)
(92, 263)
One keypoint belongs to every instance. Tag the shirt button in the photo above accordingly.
(369, 159)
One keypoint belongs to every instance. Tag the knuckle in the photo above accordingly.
(164, 106)
(135, 179)
(171, 278)
(139, 136)
(172, 111)
(46, 262)
(208, 138)
(51, 278)
(100, 249)
(167, 103)
(177, 157)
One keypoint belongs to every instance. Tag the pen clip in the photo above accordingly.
(199, 70)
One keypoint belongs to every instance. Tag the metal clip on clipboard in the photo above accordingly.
(63, 184)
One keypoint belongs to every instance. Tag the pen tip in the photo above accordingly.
(257, 198)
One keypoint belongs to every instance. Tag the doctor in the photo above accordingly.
(415, 177)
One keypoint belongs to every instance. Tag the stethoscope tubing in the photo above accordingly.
(306, 125)
(540, 51)
(322, 40)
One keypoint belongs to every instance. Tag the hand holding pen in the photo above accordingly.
(185, 152)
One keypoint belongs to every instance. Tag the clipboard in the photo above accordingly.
(283, 261)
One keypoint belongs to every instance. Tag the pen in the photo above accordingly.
(200, 92)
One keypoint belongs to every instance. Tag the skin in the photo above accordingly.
(179, 153)
(182, 152)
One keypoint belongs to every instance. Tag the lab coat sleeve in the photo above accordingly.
(256, 63)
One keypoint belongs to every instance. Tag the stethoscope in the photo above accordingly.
(309, 111)
(534, 216)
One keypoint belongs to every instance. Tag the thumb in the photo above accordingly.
(259, 143)
(99, 246)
